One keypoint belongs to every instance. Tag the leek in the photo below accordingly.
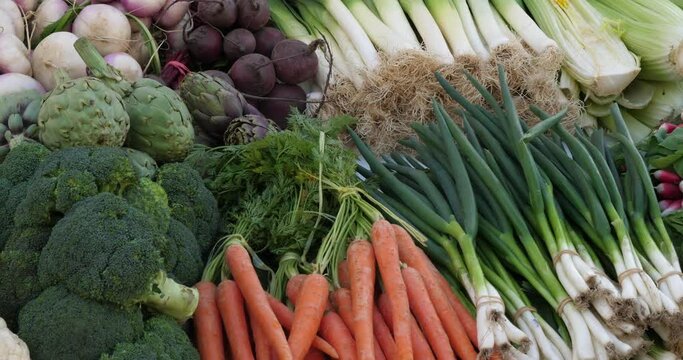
(471, 30)
(653, 30)
(428, 29)
(392, 14)
(381, 35)
(666, 104)
(524, 25)
(446, 16)
(487, 24)
(594, 54)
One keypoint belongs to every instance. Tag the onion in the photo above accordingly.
(13, 82)
(126, 64)
(47, 13)
(14, 57)
(56, 51)
(172, 13)
(105, 26)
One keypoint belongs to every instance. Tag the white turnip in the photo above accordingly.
(205, 44)
(219, 13)
(13, 82)
(252, 14)
(126, 64)
(253, 74)
(280, 102)
(266, 39)
(237, 43)
(172, 13)
(294, 61)
(143, 8)
(105, 26)
(47, 13)
(134, 27)
(138, 49)
(175, 36)
(14, 57)
(27, 5)
(56, 51)
(11, 9)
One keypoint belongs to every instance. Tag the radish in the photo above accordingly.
(252, 14)
(106, 27)
(14, 57)
(668, 191)
(27, 5)
(221, 75)
(56, 51)
(13, 12)
(139, 50)
(277, 109)
(126, 64)
(253, 74)
(172, 13)
(266, 39)
(667, 176)
(668, 127)
(238, 43)
(13, 82)
(675, 206)
(47, 13)
(219, 13)
(205, 44)
(294, 61)
(143, 8)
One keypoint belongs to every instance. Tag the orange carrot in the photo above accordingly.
(261, 346)
(465, 317)
(247, 280)
(332, 329)
(386, 252)
(308, 312)
(207, 323)
(415, 258)
(286, 317)
(361, 266)
(426, 315)
(294, 287)
(231, 306)
(341, 299)
(343, 274)
(383, 334)
(314, 354)
(421, 349)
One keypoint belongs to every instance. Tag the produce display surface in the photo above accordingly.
(341, 179)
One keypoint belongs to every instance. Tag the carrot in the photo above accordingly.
(308, 312)
(332, 329)
(341, 299)
(294, 287)
(286, 318)
(421, 349)
(207, 323)
(361, 266)
(416, 258)
(386, 252)
(343, 274)
(383, 334)
(314, 354)
(261, 346)
(231, 306)
(426, 315)
(465, 317)
(243, 272)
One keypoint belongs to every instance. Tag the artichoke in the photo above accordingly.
(248, 128)
(18, 119)
(143, 164)
(213, 103)
(161, 124)
(82, 112)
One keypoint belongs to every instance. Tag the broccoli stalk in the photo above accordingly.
(171, 298)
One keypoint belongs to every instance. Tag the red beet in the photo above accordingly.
(294, 61)
(219, 13)
(252, 14)
(253, 74)
(238, 43)
(205, 44)
(277, 109)
(266, 39)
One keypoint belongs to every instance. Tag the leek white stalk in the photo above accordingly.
(392, 14)
(446, 16)
(666, 104)
(594, 55)
(381, 35)
(434, 41)
(471, 30)
(524, 25)
(493, 34)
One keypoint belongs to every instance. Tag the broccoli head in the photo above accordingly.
(7, 210)
(163, 339)
(22, 161)
(60, 325)
(191, 202)
(106, 250)
(151, 198)
(18, 282)
(187, 265)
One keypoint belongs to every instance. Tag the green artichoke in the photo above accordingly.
(247, 128)
(213, 103)
(143, 164)
(161, 124)
(82, 112)
(18, 119)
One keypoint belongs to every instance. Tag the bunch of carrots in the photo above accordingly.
(392, 304)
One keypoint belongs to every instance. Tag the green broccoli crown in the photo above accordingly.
(7, 210)
(60, 325)
(151, 198)
(187, 265)
(191, 202)
(18, 282)
(22, 161)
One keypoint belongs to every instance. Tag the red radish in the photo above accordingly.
(143, 8)
(294, 61)
(669, 191)
(680, 186)
(237, 43)
(664, 204)
(266, 39)
(675, 206)
(205, 44)
(277, 108)
(252, 14)
(253, 74)
(667, 176)
(219, 13)
(668, 127)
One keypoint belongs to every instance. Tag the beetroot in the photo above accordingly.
(266, 39)
(219, 13)
(294, 61)
(253, 74)
(221, 75)
(238, 43)
(278, 109)
(205, 44)
(252, 14)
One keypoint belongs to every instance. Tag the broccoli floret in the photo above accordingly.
(7, 210)
(106, 250)
(188, 263)
(163, 339)
(18, 282)
(60, 325)
(38, 206)
(191, 202)
(28, 239)
(73, 186)
(22, 161)
(151, 198)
